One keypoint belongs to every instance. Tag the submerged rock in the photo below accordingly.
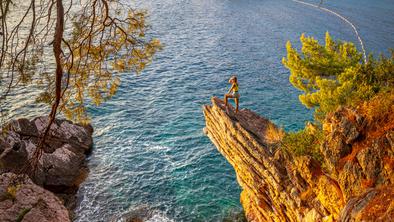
(356, 183)
(142, 213)
(139, 214)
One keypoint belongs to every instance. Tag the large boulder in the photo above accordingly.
(62, 162)
(60, 167)
(22, 200)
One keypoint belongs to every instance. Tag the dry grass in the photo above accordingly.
(379, 114)
(274, 134)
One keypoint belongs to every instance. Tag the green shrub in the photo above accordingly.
(304, 142)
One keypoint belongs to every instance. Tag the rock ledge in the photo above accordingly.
(356, 183)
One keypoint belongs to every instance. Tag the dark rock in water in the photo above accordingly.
(235, 216)
(61, 167)
(142, 213)
(22, 200)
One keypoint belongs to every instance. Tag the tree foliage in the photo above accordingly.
(74, 51)
(334, 74)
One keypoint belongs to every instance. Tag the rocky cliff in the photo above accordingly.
(60, 169)
(354, 182)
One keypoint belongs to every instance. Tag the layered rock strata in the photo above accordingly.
(354, 184)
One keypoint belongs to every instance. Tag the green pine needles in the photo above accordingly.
(333, 75)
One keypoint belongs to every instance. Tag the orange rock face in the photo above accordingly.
(277, 186)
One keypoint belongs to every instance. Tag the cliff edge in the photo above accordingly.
(353, 182)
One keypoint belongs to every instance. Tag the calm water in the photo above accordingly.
(149, 147)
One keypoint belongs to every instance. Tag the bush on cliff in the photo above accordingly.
(379, 112)
(334, 75)
(306, 141)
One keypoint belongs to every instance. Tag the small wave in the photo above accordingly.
(143, 213)
(159, 217)
(157, 147)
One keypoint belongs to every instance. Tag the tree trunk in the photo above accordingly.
(57, 44)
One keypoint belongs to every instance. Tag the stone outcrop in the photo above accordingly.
(25, 201)
(60, 167)
(354, 182)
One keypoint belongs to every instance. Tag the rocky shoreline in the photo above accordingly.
(49, 193)
(354, 182)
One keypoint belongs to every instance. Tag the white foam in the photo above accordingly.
(151, 147)
(159, 217)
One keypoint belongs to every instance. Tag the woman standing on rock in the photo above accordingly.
(233, 92)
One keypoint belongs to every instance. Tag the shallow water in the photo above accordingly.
(149, 146)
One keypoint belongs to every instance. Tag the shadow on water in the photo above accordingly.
(235, 216)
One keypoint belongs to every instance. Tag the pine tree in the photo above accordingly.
(334, 74)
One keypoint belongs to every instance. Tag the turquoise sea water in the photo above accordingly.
(149, 147)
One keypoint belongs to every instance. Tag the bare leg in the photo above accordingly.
(226, 96)
(236, 104)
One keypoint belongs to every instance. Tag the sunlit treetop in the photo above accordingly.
(335, 74)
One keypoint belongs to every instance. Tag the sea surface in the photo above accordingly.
(150, 153)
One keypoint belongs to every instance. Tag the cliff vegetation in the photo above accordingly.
(340, 166)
